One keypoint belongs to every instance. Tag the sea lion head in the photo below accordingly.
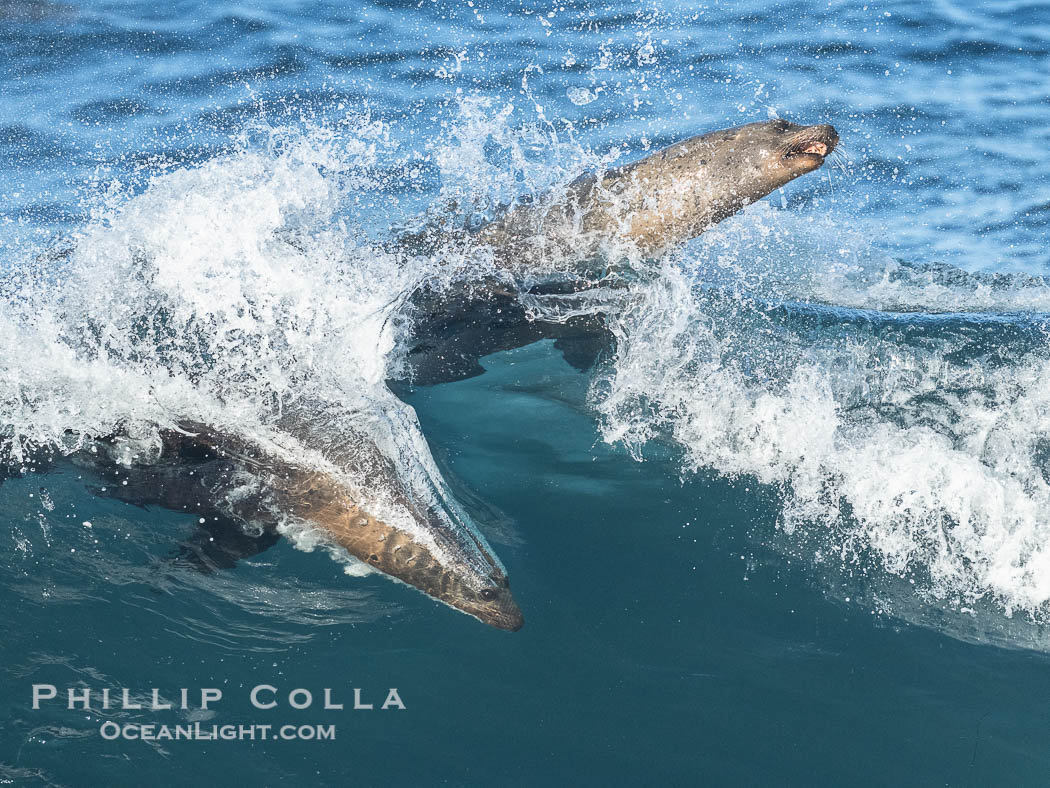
(437, 549)
(676, 193)
(461, 569)
(451, 560)
(799, 149)
(486, 598)
(762, 157)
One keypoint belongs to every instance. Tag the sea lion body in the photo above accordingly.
(427, 541)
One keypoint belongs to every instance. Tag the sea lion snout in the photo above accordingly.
(494, 605)
(810, 141)
(822, 136)
(510, 619)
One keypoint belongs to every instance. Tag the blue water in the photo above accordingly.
(794, 531)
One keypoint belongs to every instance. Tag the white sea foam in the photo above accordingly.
(923, 448)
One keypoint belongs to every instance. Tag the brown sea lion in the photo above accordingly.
(645, 208)
(666, 198)
(296, 475)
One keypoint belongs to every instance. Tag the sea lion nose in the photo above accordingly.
(516, 623)
(827, 134)
(507, 615)
(513, 620)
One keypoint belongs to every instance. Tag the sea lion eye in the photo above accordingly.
(488, 594)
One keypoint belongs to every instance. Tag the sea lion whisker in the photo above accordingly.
(841, 154)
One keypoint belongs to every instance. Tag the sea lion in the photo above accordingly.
(666, 198)
(646, 207)
(223, 478)
(643, 208)
(649, 205)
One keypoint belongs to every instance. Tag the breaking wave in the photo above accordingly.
(900, 408)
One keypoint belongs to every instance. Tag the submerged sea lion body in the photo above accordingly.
(650, 205)
(454, 330)
(235, 481)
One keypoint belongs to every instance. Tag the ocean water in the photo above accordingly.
(792, 530)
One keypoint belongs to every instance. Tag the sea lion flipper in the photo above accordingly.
(583, 351)
(219, 543)
(190, 478)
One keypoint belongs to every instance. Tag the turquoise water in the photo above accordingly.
(792, 530)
